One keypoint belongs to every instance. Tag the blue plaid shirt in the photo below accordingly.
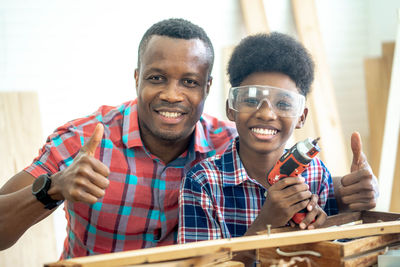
(219, 200)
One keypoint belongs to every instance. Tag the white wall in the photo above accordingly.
(80, 54)
(382, 21)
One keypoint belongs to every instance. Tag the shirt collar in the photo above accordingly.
(231, 161)
(130, 127)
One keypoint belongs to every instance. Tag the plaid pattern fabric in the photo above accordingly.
(140, 206)
(218, 199)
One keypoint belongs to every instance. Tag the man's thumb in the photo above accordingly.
(94, 141)
(359, 159)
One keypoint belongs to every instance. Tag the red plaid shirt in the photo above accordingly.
(140, 206)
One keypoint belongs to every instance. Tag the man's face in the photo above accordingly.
(172, 83)
(262, 131)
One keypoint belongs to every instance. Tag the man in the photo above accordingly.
(119, 170)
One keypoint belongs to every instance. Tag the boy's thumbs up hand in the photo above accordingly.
(359, 189)
(85, 180)
(359, 159)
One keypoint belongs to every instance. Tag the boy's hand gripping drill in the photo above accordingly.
(293, 163)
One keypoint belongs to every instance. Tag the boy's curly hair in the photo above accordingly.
(275, 52)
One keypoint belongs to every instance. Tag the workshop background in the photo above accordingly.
(61, 60)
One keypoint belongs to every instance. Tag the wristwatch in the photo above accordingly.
(39, 189)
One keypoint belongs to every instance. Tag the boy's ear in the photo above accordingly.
(229, 112)
(302, 119)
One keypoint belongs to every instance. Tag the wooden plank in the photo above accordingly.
(20, 132)
(254, 16)
(221, 259)
(369, 216)
(323, 106)
(395, 202)
(368, 259)
(233, 245)
(366, 216)
(391, 133)
(336, 253)
(377, 82)
(361, 245)
(20, 140)
(334, 220)
(377, 91)
(387, 54)
(330, 252)
(189, 263)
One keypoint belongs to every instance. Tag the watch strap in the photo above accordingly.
(43, 196)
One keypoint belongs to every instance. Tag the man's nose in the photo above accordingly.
(172, 92)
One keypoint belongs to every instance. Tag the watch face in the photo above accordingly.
(38, 184)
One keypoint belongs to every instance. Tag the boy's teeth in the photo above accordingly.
(170, 114)
(264, 131)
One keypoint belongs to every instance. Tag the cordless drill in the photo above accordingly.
(293, 163)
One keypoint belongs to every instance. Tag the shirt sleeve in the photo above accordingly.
(58, 151)
(330, 205)
(197, 216)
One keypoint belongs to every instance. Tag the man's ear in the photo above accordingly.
(209, 83)
(302, 118)
(229, 112)
(137, 80)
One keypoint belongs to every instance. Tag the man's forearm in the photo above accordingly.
(19, 211)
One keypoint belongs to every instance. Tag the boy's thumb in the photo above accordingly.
(359, 159)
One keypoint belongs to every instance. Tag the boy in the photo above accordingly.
(228, 195)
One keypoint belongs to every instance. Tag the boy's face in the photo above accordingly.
(263, 131)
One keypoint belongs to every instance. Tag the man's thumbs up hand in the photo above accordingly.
(94, 141)
(85, 180)
(359, 189)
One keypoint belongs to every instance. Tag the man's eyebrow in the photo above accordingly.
(152, 69)
(192, 74)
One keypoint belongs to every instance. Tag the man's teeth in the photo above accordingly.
(264, 131)
(170, 114)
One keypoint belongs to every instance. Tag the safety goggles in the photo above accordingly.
(248, 99)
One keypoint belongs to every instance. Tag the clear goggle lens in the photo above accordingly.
(248, 99)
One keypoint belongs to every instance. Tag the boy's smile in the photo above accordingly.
(264, 133)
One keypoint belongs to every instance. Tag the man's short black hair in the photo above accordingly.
(176, 28)
(275, 52)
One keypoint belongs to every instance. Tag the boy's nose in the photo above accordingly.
(172, 93)
(265, 108)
